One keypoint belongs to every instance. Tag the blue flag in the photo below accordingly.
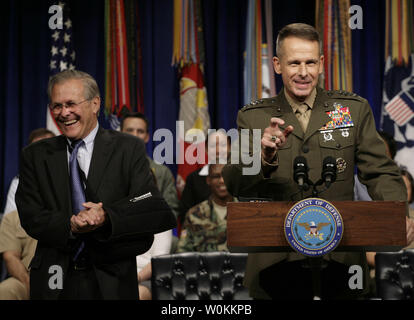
(62, 54)
(398, 110)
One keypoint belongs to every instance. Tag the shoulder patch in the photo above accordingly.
(341, 94)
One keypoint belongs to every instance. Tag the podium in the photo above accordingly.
(368, 225)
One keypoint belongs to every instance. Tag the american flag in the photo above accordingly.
(62, 54)
(401, 108)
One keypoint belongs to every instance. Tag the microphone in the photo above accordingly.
(329, 171)
(300, 172)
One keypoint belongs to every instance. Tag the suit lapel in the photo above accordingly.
(57, 164)
(102, 151)
(319, 116)
(284, 111)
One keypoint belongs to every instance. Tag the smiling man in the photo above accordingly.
(79, 196)
(305, 120)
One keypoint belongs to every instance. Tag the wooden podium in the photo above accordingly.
(368, 225)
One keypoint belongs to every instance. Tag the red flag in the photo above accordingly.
(196, 122)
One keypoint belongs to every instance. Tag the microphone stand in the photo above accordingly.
(315, 264)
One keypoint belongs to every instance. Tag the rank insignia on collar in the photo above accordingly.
(340, 165)
(327, 135)
(313, 227)
(341, 118)
(345, 132)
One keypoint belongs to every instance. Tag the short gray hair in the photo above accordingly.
(299, 30)
(91, 89)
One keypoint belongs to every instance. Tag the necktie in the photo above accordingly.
(78, 194)
(303, 116)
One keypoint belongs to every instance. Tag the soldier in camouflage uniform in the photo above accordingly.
(205, 224)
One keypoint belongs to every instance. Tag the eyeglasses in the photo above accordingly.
(57, 107)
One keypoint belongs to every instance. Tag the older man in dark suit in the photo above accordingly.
(88, 197)
(299, 122)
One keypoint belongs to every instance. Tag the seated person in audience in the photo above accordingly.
(35, 135)
(409, 184)
(196, 189)
(361, 194)
(205, 225)
(18, 249)
(136, 124)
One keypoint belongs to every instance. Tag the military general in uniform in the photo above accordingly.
(305, 120)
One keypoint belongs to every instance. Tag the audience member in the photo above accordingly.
(136, 124)
(89, 199)
(205, 224)
(35, 135)
(306, 120)
(360, 190)
(161, 245)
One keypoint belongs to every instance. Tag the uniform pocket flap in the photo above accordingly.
(36, 262)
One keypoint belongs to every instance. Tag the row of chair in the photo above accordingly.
(219, 276)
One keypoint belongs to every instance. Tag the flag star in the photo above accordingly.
(66, 37)
(64, 51)
(71, 67)
(53, 64)
(55, 35)
(63, 65)
(54, 50)
(73, 55)
(68, 24)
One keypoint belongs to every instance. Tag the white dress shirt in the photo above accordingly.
(85, 151)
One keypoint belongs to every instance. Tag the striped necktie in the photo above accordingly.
(78, 193)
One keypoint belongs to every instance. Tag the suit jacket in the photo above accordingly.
(195, 191)
(118, 173)
(359, 145)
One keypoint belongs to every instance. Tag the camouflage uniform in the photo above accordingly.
(166, 184)
(203, 230)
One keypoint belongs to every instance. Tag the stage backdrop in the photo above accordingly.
(25, 55)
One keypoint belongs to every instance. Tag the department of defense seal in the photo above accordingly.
(313, 227)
